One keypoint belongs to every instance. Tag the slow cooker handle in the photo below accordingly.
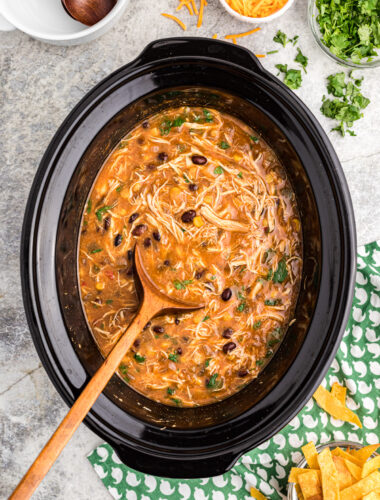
(199, 47)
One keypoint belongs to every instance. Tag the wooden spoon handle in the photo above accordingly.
(82, 405)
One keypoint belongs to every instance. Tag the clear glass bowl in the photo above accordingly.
(292, 493)
(314, 26)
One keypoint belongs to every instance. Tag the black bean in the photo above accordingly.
(176, 321)
(243, 372)
(199, 274)
(227, 334)
(158, 329)
(129, 254)
(145, 124)
(188, 216)
(133, 217)
(139, 230)
(107, 222)
(151, 166)
(166, 262)
(179, 350)
(117, 240)
(147, 242)
(147, 325)
(140, 140)
(136, 343)
(226, 294)
(163, 157)
(98, 300)
(156, 236)
(230, 346)
(199, 160)
(193, 187)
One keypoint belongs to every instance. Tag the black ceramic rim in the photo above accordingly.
(198, 460)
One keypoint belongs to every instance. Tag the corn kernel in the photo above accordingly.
(100, 285)
(208, 198)
(175, 193)
(122, 211)
(227, 317)
(237, 157)
(198, 221)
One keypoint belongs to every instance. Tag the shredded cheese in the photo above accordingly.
(200, 16)
(256, 8)
(169, 16)
(240, 35)
(186, 3)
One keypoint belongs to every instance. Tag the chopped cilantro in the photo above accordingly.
(348, 102)
(218, 170)
(170, 391)
(259, 362)
(138, 358)
(96, 250)
(120, 188)
(272, 302)
(207, 362)
(272, 52)
(208, 116)
(102, 210)
(109, 302)
(181, 285)
(213, 383)
(167, 124)
(257, 325)
(281, 272)
(224, 145)
(187, 180)
(292, 78)
(281, 37)
(205, 318)
(177, 401)
(89, 206)
(253, 138)
(350, 29)
(240, 175)
(173, 357)
(301, 59)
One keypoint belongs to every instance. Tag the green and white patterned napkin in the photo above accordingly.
(357, 366)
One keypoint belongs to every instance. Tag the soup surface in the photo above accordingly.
(217, 222)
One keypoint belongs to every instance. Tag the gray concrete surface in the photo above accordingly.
(39, 86)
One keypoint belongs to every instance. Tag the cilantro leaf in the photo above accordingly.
(281, 273)
(281, 38)
(301, 59)
(224, 145)
(181, 285)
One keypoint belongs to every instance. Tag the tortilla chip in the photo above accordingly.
(372, 496)
(334, 407)
(345, 478)
(364, 453)
(341, 453)
(299, 492)
(257, 494)
(362, 487)
(311, 455)
(339, 392)
(355, 470)
(310, 484)
(371, 466)
(295, 472)
(329, 474)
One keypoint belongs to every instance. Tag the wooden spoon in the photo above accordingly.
(88, 12)
(152, 303)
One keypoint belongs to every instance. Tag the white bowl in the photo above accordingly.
(47, 20)
(257, 20)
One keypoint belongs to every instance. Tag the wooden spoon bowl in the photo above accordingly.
(88, 12)
(152, 303)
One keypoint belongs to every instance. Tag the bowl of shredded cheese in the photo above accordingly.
(256, 11)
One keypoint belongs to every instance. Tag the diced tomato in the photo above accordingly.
(109, 274)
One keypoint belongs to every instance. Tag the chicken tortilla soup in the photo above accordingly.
(217, 222)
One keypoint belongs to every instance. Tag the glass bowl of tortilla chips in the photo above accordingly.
(337, 470)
